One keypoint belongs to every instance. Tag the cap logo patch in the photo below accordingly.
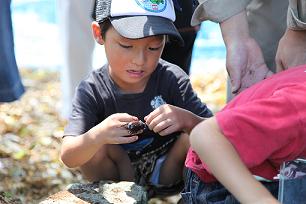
(155, 6)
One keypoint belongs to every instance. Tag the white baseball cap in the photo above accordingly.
(139, 18)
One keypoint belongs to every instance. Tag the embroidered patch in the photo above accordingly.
(156, 6)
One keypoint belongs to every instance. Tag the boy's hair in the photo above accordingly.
(104, 26)
(136, 19)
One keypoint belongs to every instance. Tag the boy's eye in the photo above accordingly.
(154, 48)
(125, 46)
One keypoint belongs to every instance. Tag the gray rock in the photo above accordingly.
(103, 192)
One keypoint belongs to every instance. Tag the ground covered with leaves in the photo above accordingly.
(31, 131)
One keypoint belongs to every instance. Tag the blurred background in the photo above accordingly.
(31, 128)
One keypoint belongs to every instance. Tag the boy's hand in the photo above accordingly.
(166, 119)
(114, 130)
(135, 127)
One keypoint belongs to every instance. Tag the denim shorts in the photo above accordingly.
(292, 183)
(196, 191)
(11, 87)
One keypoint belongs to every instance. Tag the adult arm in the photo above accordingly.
(244, 60)
(213, 10)
(292, 46)
(219, 154)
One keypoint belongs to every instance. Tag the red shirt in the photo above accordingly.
(265, 123)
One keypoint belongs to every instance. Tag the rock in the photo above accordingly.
(103, 192)
(7, 198)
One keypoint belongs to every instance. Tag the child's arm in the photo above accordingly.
(168, 119)
(225, 164)
(77, 150)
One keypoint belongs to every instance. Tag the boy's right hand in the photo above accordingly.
(113, 129)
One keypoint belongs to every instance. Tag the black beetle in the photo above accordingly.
(135, 127)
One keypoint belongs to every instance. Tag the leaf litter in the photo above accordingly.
(31, 130)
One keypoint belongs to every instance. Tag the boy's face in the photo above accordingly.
(132, 61)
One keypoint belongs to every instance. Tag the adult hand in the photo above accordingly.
(291, 50)
(245, 64)
(244, 60)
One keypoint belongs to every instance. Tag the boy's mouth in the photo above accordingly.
(135, 72)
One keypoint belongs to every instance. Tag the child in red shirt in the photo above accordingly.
(263, 126)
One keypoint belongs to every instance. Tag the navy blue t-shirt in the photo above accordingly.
(98, 97)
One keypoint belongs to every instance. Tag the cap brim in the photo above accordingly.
(135, 27)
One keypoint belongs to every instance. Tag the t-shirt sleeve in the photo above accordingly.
(214, 10)
(296, 18)
(265, 129)
(85, 110)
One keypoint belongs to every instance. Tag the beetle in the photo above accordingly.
(135, 127)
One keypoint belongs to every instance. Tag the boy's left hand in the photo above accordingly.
(166, 119)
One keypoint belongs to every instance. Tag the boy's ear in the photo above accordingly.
(96, 31)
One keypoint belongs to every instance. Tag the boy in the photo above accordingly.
(135, 85)
(265, 125)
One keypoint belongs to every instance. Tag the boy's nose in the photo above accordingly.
(139, 58)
